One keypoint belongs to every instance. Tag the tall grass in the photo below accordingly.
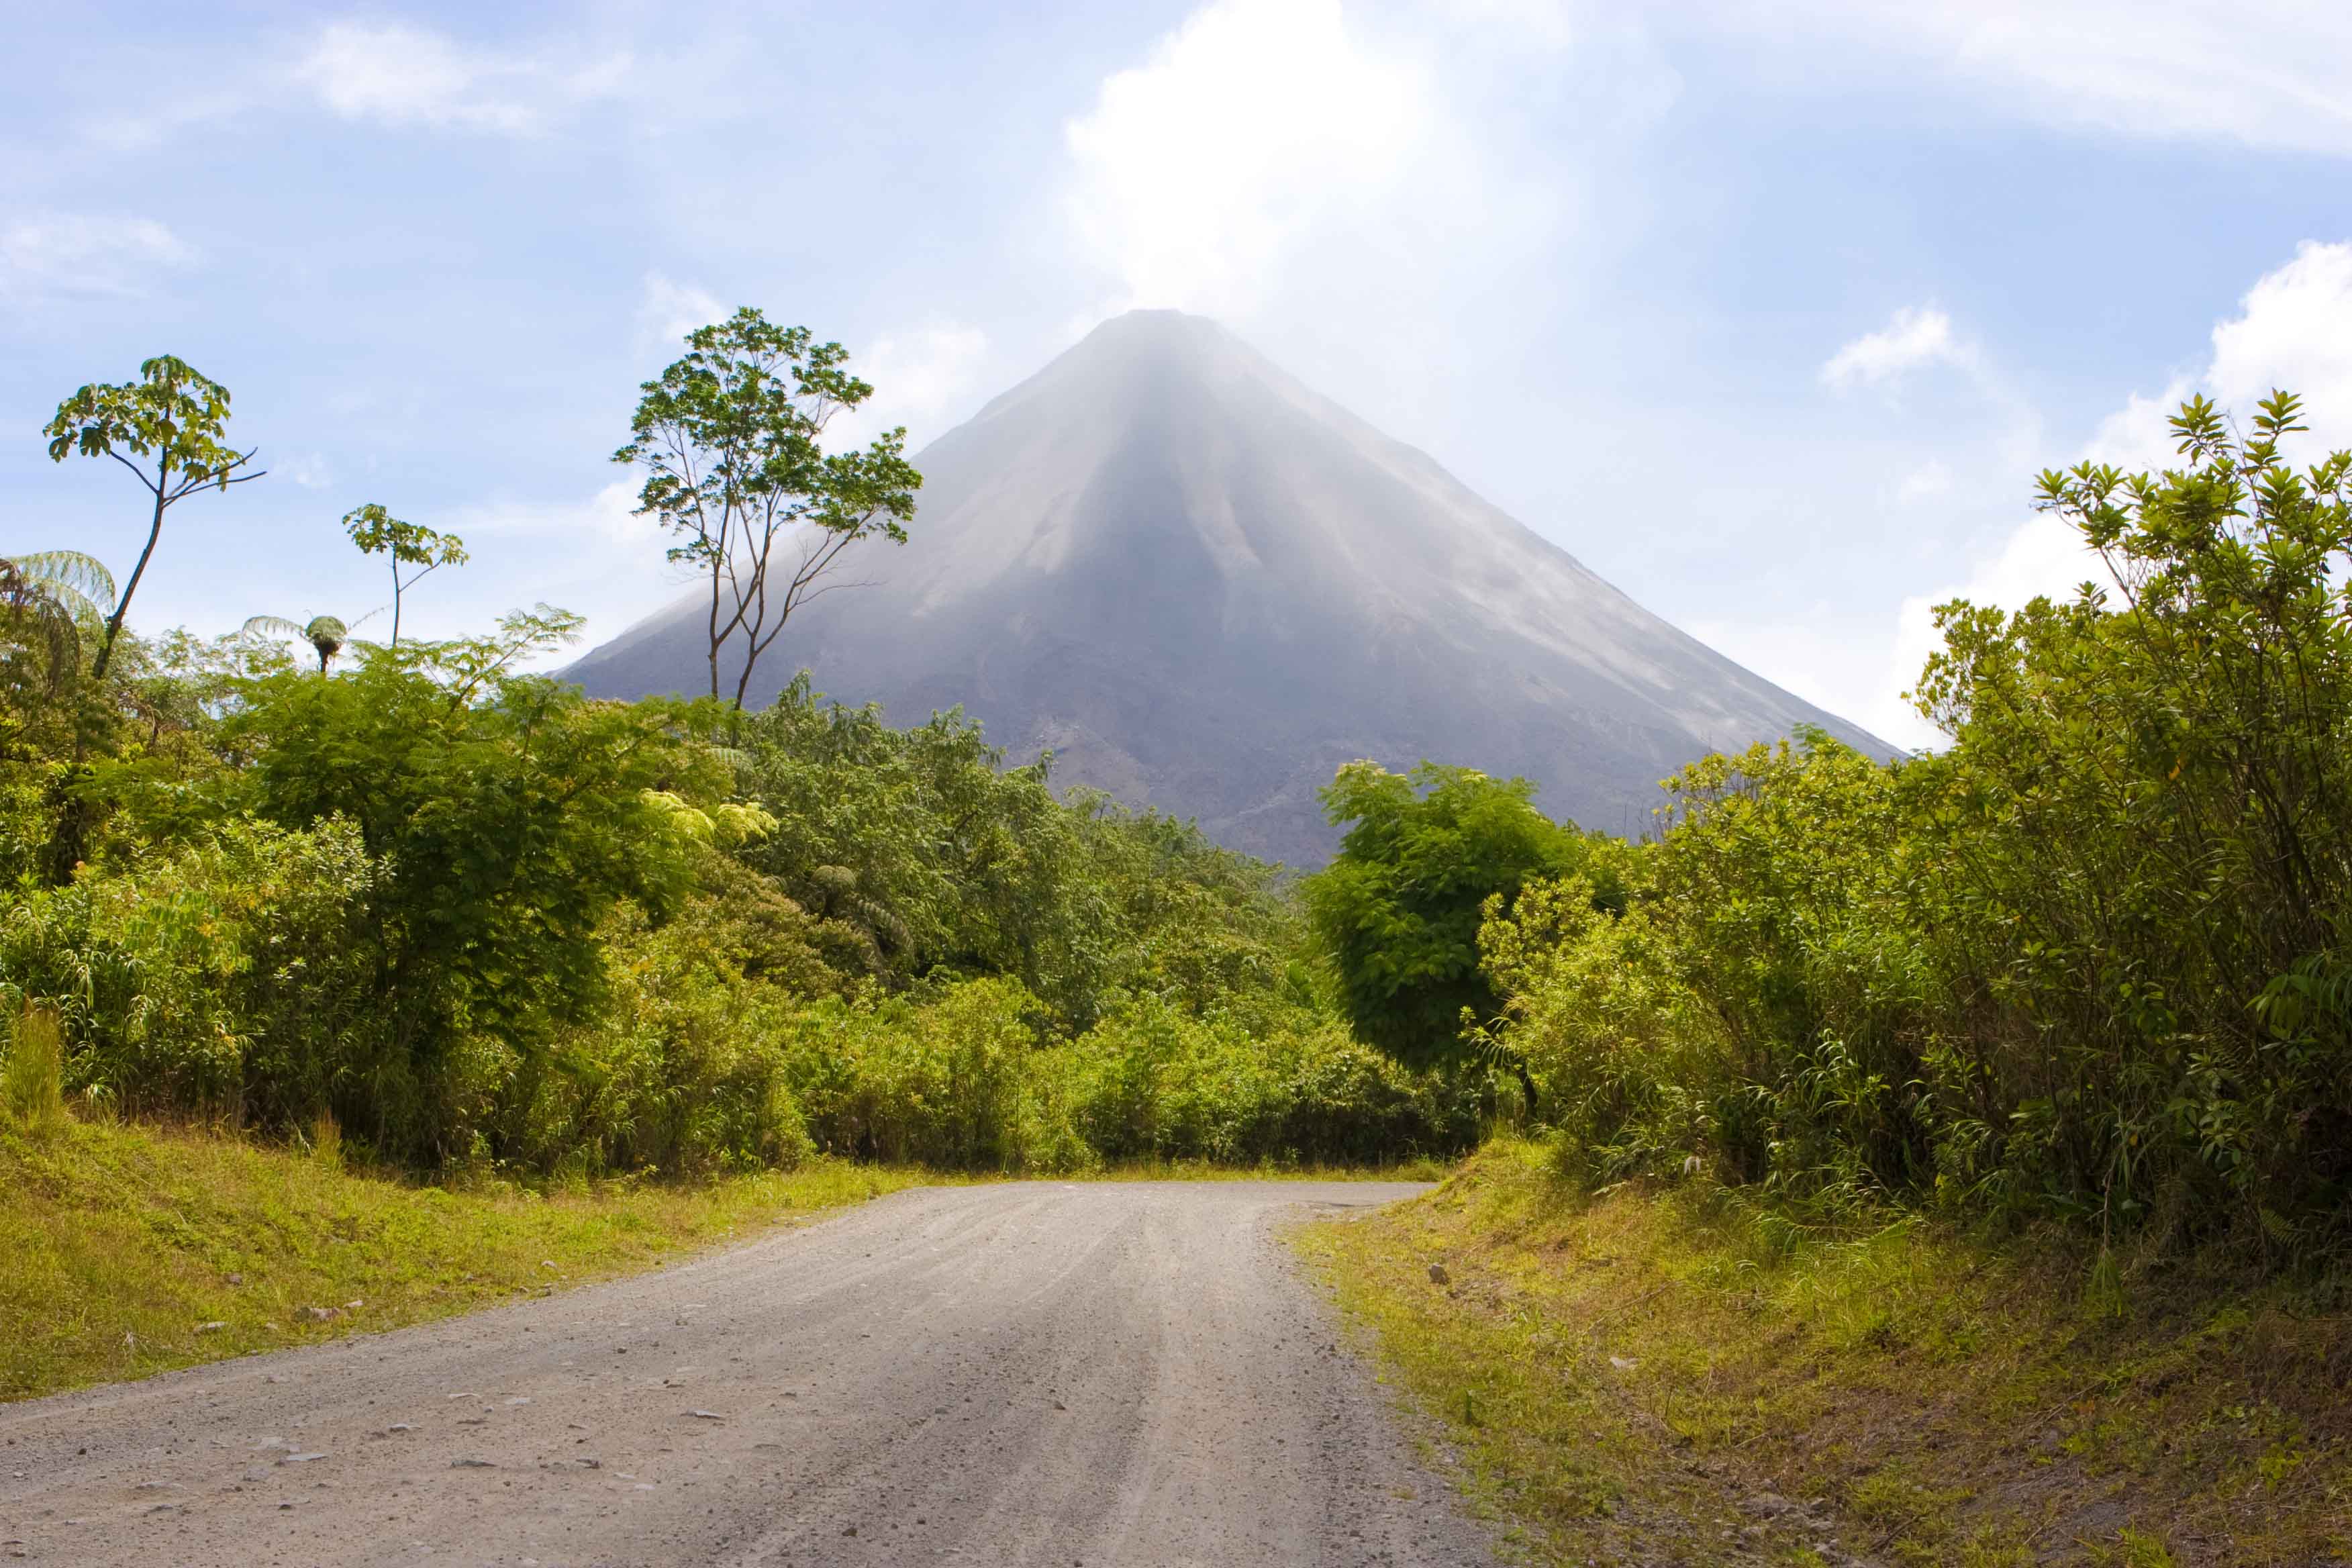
(32, 1079)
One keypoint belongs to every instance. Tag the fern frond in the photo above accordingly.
(79, 582)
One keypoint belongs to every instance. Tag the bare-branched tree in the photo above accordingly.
(731, 437)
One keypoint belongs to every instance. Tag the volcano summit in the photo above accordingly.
(1205, 587)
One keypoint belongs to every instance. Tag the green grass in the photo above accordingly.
(1622, 1375)
(122, 1243)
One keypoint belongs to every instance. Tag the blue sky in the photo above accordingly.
(1768, 312)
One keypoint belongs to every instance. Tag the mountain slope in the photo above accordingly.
(1204, 587)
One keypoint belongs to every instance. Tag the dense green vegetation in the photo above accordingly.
(1397, 912)
(1942, 1160)
(2088, 960)
(472, 915)
(436, 910)
(414, 902)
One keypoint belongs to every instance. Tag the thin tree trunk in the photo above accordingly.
(396, 603)
(123, 605)
(714, 638)
(750, 656)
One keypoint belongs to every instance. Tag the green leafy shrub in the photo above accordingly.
(2087, 960)
(2146, 825)
(1154, 1082)
(970, 1078)
(1399, 909)
(950, 1080)
(234, 977)
(510, 816)
(682, 1068)
(1346, 1103)
(1157, 1083)
(1630, 1060)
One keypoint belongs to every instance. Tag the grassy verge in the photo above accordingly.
(128, 1250)
(1643, 1379)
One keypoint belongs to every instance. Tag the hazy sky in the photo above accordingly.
(1768, 312)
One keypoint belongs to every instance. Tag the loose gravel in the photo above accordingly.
(1020, 1373)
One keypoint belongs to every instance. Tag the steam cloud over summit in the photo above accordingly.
(1205, 587)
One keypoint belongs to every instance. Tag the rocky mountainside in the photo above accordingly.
(1204, 587)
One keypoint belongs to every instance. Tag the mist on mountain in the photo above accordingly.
(1203, 586)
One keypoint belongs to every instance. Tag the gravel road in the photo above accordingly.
(1030, 1373)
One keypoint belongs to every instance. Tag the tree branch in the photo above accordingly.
(137, 472)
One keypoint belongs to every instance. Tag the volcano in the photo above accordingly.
(1203, 586)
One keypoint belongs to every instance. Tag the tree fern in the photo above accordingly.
(80, 582)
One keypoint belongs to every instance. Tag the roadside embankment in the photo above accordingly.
(1661, 1377)
(132, 1249)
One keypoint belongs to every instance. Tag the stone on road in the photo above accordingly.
(1023, 1373)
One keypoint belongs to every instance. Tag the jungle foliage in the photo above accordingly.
(418, 904)
(2088, 959)
(1397, 911)
(461, 914)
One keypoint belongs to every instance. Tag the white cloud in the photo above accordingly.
(1196, 172)
(1930, 479)
(2266, 73)
(921, 379)
(606, 519)
(2136, 436)
(668, 310)
(2293, 331)
(1370, 194)
(1543, 25)
(403, 76)
(1379, 152)
(69, 254)
(152, 121)
(310, 469)
(392, 74)
(1917, 337)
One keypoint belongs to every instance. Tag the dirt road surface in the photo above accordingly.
(1024, 1373)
